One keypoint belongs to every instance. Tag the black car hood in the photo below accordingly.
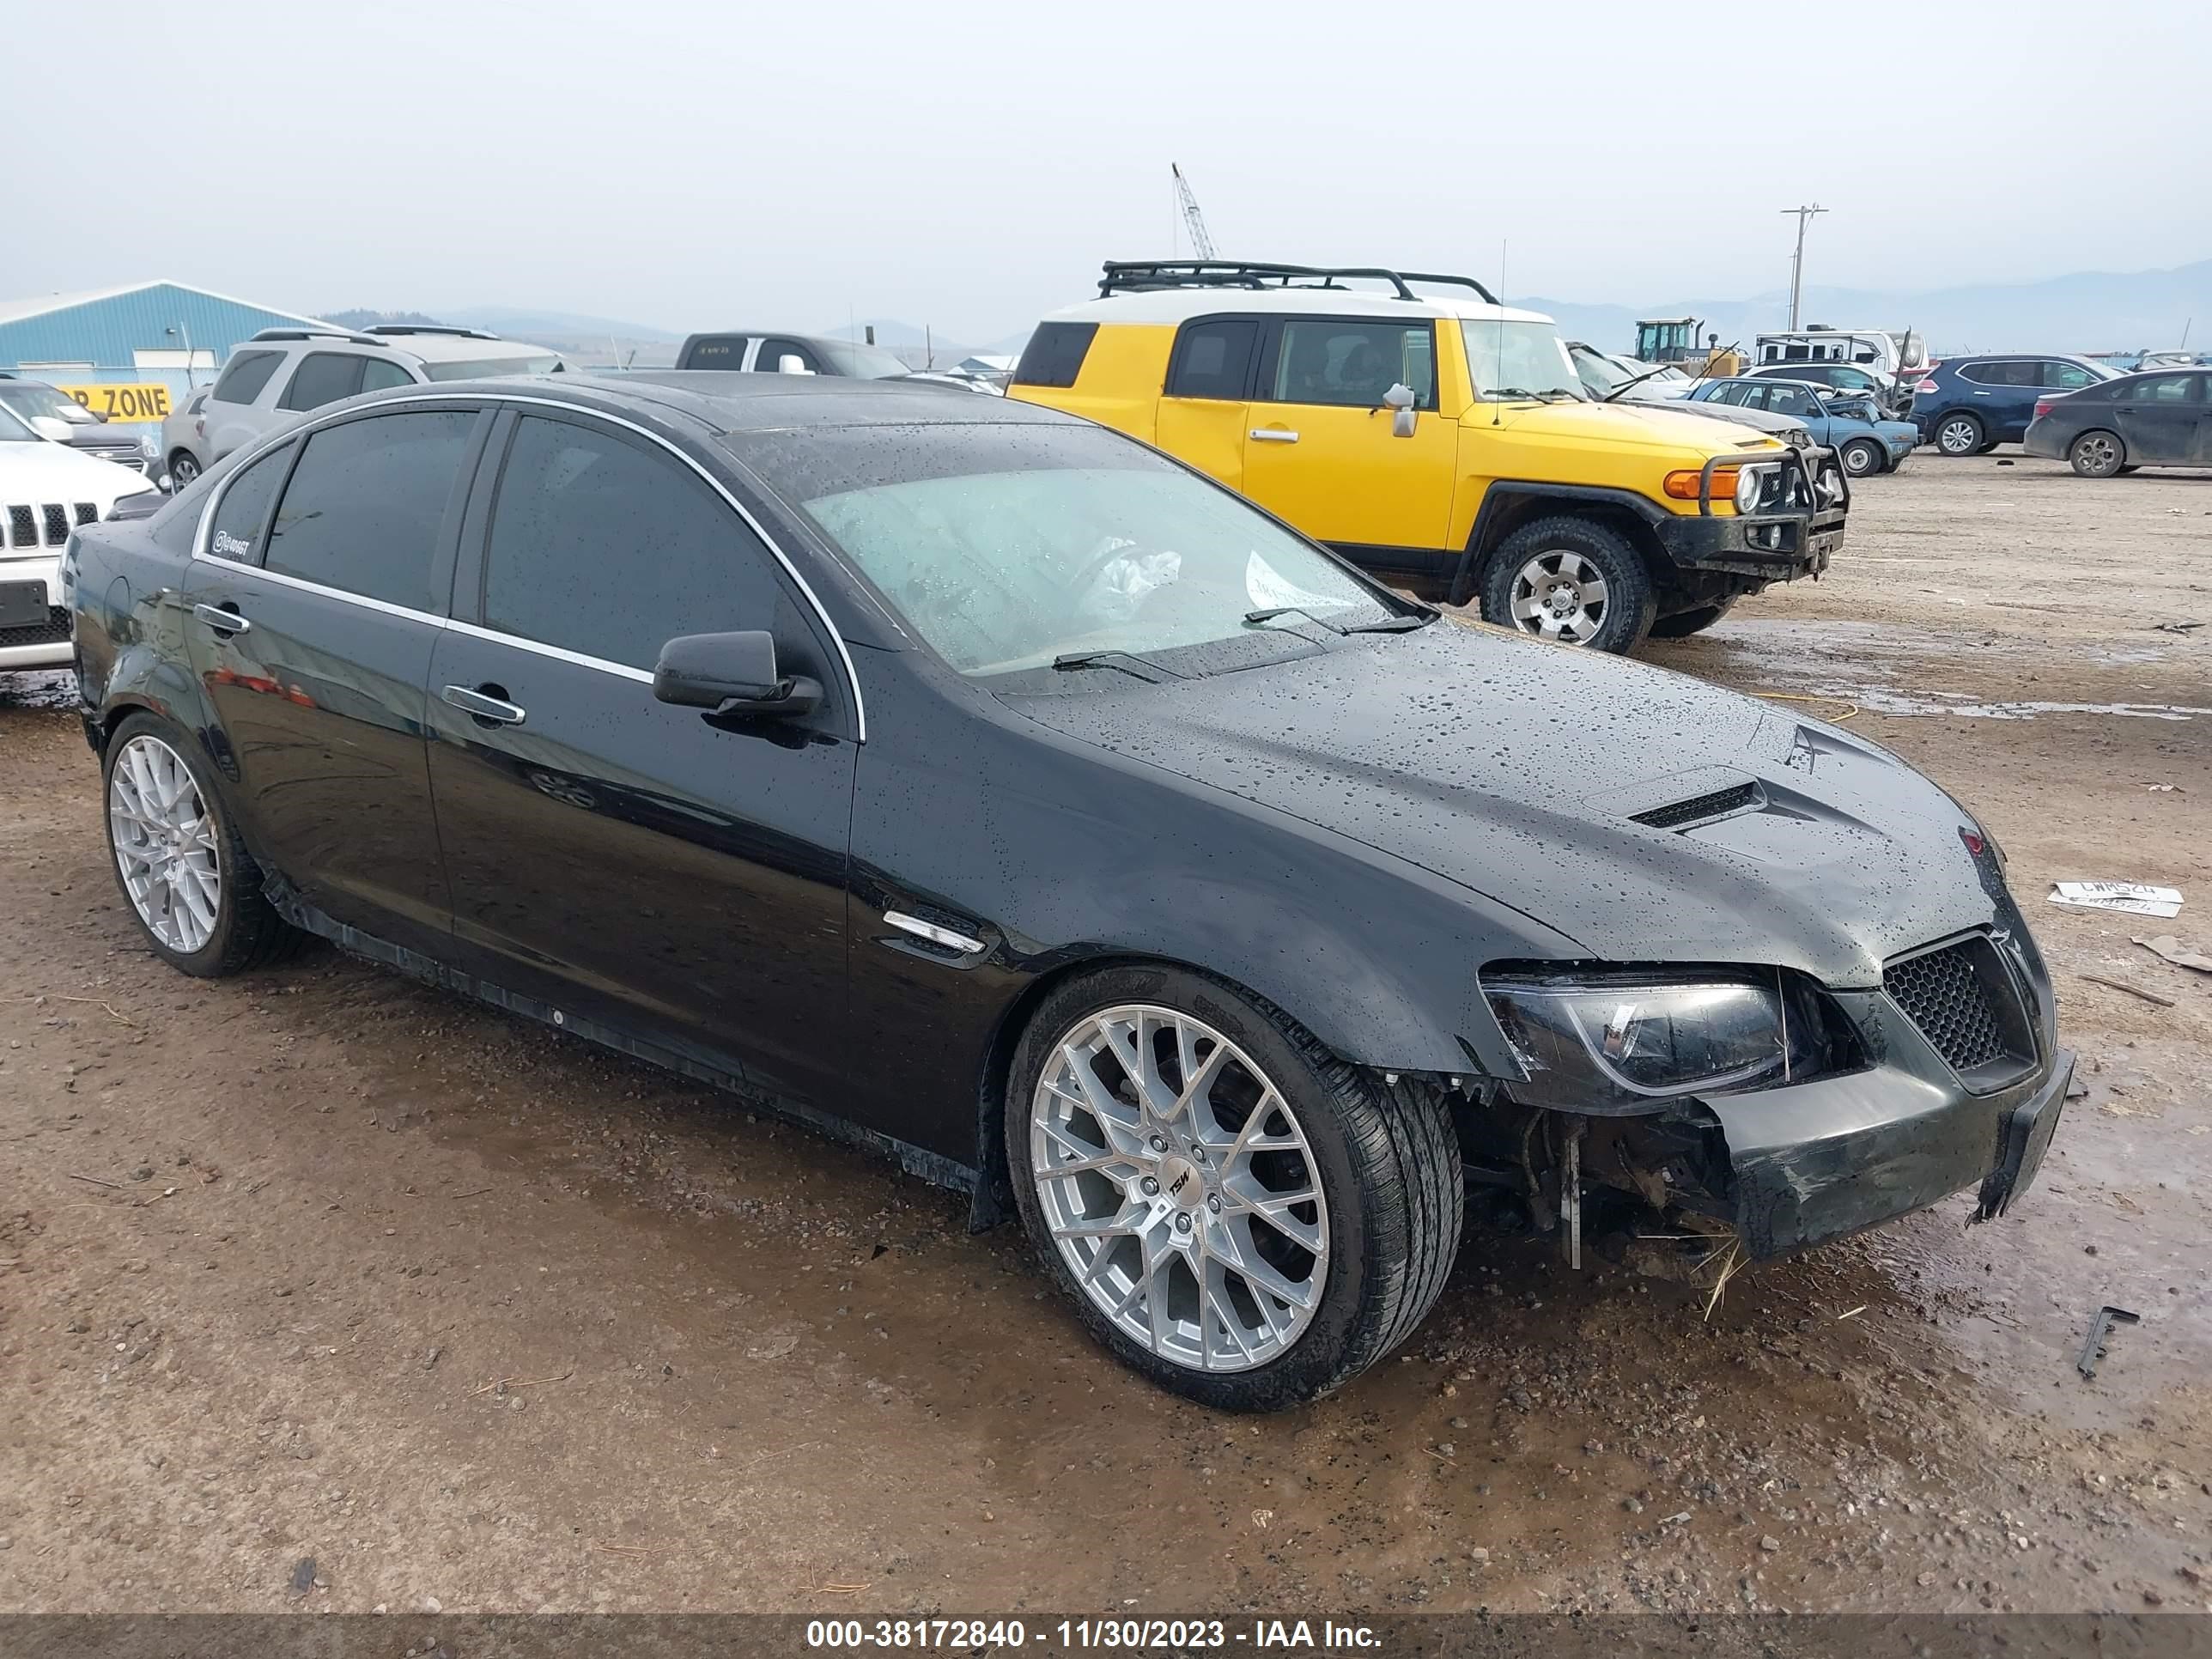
(1518, 769)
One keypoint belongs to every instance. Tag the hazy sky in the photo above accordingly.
(968, 166)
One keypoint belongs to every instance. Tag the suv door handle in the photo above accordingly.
(221, 618)
(1274, 435)
(492, 710)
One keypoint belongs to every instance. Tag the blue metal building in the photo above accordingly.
(157, 334)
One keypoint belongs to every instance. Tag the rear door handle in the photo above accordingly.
(221, 620)
(497, 710)
(1273, 435)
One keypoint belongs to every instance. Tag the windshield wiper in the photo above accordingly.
(1396, 624)
(1119, 661)
(1254, 619)
(1638, 381)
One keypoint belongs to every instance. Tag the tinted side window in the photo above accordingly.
(2168, 390)
(236, 532)
(1055, 355)
(376, 374)
(322, 377)
(244, 375)
(1213, 359)
(1352, 364)
(576, 509)
(365, 505)
(774, 348)
(716, 351)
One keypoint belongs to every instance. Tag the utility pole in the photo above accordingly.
(1798, 260)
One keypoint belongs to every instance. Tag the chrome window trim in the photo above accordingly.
(458, 393)
(559, 653)
(301, 583)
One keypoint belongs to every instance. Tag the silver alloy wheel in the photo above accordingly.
(2096, 454)
(1561, 595)
(1179, 1187)
(183, 470)
(164, 844)
(1957, 437)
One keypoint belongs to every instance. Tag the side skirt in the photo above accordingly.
(930, 1166)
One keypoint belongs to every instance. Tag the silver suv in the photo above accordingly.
(283, 372)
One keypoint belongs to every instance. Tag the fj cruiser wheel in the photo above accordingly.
(1860, 457)
(1572, 580)
(2097, 454)
(188, 878)
(183, 469)
(1683, 623)
(1960, 435)
(1236, 1212)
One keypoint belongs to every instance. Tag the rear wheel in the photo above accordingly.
(1961, 434)
(1861, 456)
(183, 469)
(1236, 1212)
(2097, 454)
(1683, 623)
(1571, 580)
(190, 882)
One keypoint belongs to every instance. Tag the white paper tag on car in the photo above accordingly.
(2136, 898)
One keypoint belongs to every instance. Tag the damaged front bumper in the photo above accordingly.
(1818, 1160)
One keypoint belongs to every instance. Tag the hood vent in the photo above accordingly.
(1698, 808)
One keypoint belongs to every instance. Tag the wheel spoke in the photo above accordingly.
(165, 843)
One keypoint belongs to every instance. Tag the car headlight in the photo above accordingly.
(1749, 481)
(1627, 1045)
(149, 446)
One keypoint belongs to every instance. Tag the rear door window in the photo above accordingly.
(322, 377)
(1213, 359)
(1351, 364)
(239, 516)
(576, 506)
(367, 503)
(244, 375)
(2168, 390)
(1054, 354)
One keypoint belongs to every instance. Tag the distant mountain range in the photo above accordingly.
(2088, 311)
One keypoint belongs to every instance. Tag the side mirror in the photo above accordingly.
(1399, 399)
(731, 674)
(792, 363)
(52, 427)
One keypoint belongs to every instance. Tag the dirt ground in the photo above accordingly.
(319, 1263)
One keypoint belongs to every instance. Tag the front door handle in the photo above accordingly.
(222, 619)
(1274, 435)
(481, 705)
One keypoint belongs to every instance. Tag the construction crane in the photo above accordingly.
(1201, 243)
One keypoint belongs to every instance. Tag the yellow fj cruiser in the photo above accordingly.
(1445, 443)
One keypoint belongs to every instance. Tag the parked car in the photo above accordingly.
(2158, 419)
(1894, 398)
(184, 442)
(283, 373)
(1016, 801)
(52, 415)
(47, 492)
(1607, 379)
(1969, 405)
(1445, 442)
(2151, 360)
(1895, 357)
(1863, 445)
(766, 352)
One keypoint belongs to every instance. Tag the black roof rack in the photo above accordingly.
(347, 335)
(433, 328)
(1141, 276)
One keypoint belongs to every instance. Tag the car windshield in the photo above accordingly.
(1013, 547)
(1515, 360)
(31, 398)
(862, 362)
(14, 429)
(478, 368)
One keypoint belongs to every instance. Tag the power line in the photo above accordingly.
(1798, 260)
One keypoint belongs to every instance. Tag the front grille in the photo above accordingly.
(55, 630)
(1699, 806)
(88, 513)
(1968, 1007)
(57, 524)
(22, 527)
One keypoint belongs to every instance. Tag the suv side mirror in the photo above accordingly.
(1399, 399)
(792, 363)
(731, 674)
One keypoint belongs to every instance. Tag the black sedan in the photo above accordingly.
(2160, 419)
(991, 790)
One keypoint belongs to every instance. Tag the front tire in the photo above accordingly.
(1571, 581)
(1861, 458)
(1236, 1213)
(2097, 455)
(186, 877)
(1958, 435)
(184, 467)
